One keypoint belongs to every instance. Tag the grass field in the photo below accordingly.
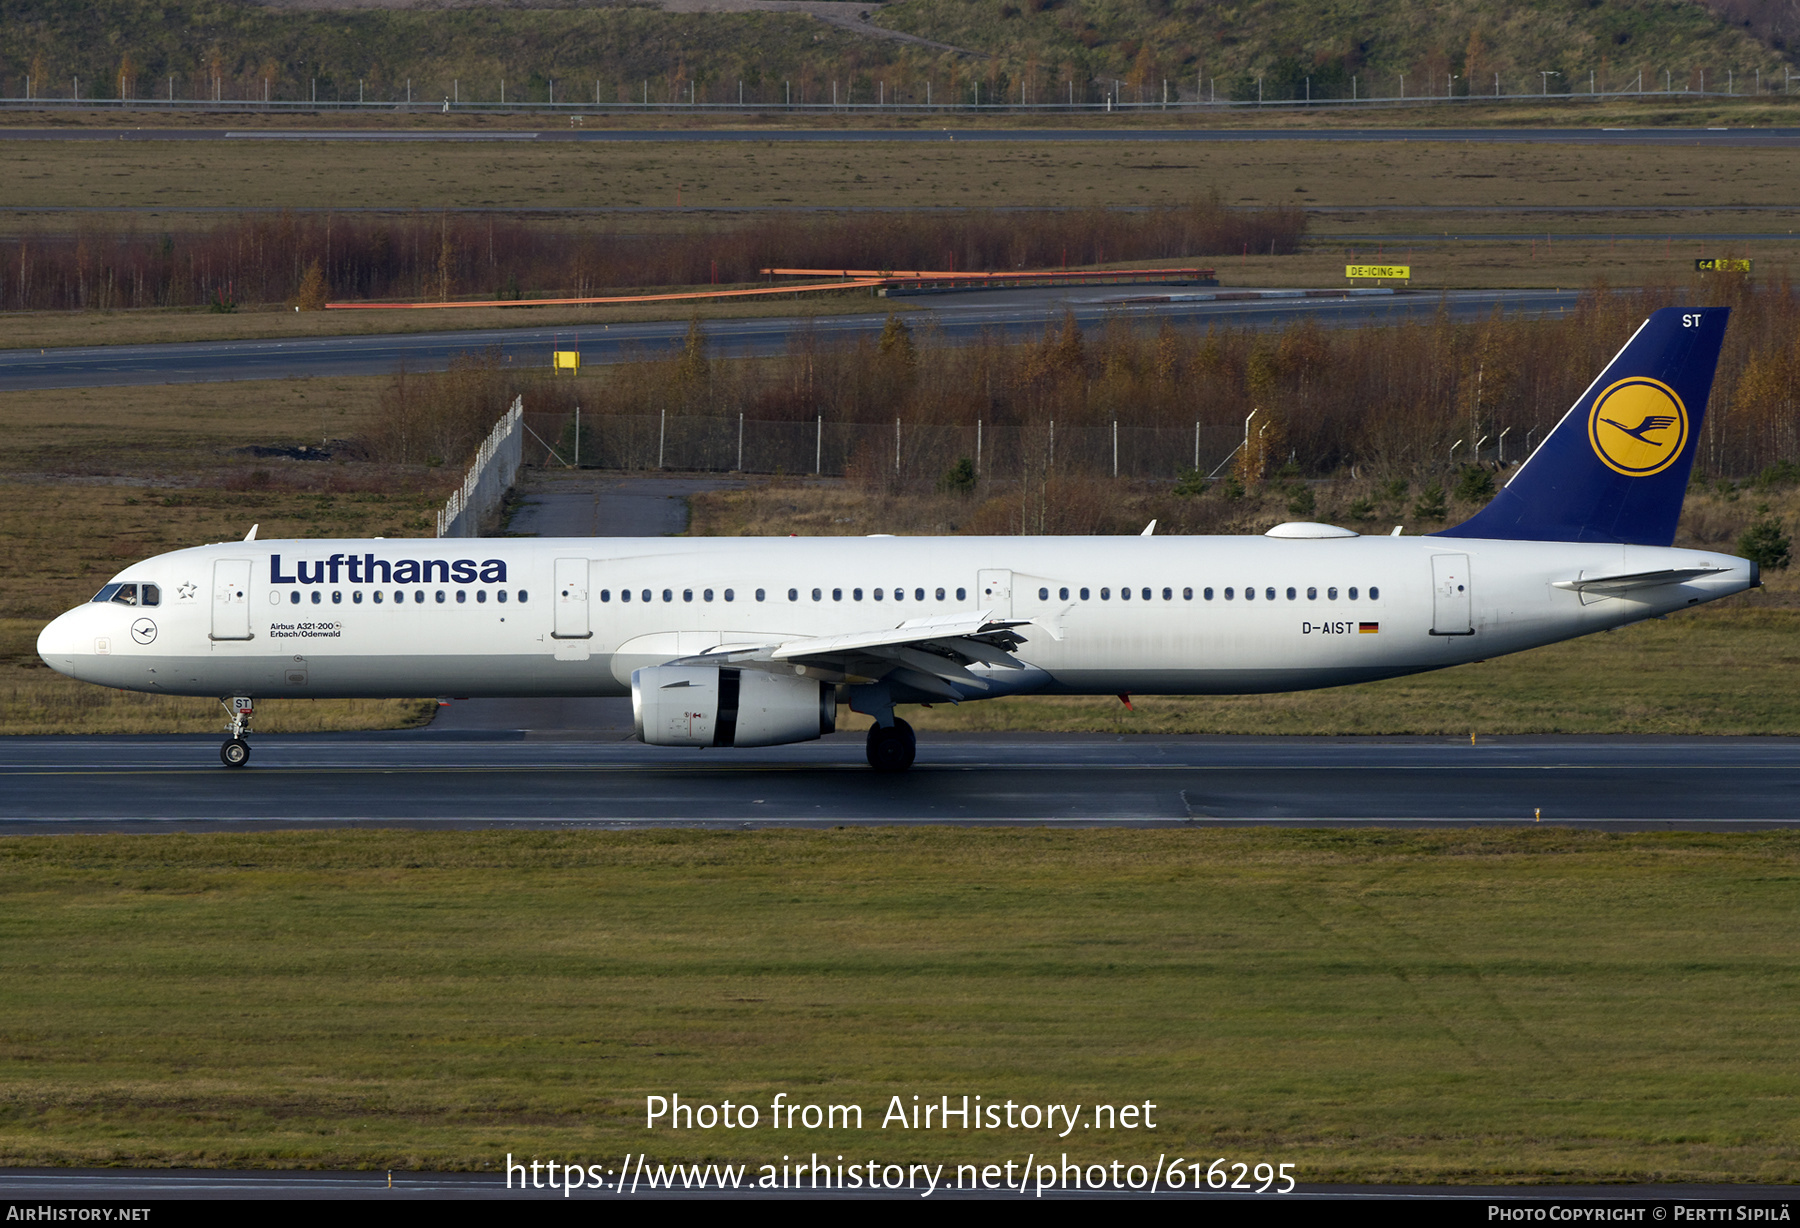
(1433, 1006)
(509, 175)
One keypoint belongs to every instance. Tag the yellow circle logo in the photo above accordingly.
(1638, 427)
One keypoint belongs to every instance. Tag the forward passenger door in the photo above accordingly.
(231, 599)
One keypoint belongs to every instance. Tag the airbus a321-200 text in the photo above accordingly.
(759, 642)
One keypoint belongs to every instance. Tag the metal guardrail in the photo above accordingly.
(489, 478)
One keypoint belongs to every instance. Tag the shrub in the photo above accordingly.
(1764, 544)
(1232, 488)
(1191, 484)
(1781, 473)
(1393, 490)
(1430, 504)
(958, 479)
(1301, 500)
(1474, 485)
(1362, 509)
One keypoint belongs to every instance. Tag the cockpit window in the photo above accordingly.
(127, 595)
(107, 593)
(149, 594)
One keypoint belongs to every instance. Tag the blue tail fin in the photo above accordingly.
(1616, 467)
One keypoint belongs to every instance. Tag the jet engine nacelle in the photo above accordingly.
(706, 705)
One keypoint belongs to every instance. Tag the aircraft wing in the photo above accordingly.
(1613, 585)
(928, 653)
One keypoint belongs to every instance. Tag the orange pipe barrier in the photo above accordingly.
(897, 275)
(633, 298)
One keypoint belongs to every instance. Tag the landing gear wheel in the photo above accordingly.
(235, 753)
(892, 749)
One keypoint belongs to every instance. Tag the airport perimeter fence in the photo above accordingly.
(906, 453)
(1101, 97)
(495, 469)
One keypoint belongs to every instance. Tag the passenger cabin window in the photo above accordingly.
(940, 594)
(1084, 594)
(1249, 594)
(1292, 594)
(1374, 593)
(1062, 594)
(962, 594)
(1206, 593)
(1312, 594)
(1228, 594)
(1187, 594)
(1043, 594)
(793, 594)
(1353, 592)
(1331, 594)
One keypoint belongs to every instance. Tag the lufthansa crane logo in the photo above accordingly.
(143, 631)
(1638, 427)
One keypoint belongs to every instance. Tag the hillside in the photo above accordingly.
(633, 52)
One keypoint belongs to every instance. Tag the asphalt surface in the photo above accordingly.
(575, 777)
(1771, 137)
(960, 317)
(116, 1185)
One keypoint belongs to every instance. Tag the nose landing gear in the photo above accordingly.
(235, 753)
(892, 748)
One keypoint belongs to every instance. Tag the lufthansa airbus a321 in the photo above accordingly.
(735, 642)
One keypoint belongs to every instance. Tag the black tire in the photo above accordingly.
(235, 753)
(892, 750)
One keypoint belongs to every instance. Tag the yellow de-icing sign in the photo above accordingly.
(566, 360)
(1719, 264)
(1399, 272)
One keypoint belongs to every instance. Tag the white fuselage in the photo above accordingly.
(269, 619)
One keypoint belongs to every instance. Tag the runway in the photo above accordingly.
(958, 317)
(1596, 135)
(593, 779)
(138, 1186)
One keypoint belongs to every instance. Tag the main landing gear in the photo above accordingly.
(236, 751)
(893, 747)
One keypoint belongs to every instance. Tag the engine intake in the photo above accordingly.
(707, 705)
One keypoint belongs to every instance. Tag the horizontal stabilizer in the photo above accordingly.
(1611, 586)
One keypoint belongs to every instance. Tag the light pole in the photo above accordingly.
(1545, 80)
(1450, 86)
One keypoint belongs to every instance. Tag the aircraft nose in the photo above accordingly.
(61, 642)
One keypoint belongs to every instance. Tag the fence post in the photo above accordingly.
(662, 435)
(896, 448)
(1115, 447)
(1052, 443)
(578, 436)
(819, 441)
(1196, 446)
(740, 430)
(978, 447)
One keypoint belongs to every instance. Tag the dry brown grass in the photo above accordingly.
(168, 432)
(508, 175)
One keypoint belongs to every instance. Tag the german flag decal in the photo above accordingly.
(1369, 628)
